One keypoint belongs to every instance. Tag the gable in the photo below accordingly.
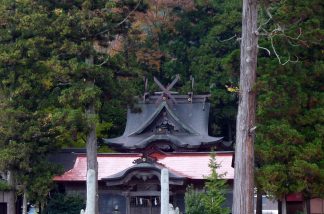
(162, 121)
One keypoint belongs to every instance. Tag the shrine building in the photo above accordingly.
(167, 130)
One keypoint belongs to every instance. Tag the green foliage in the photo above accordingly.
(195, 47)
(4, 186)
(193, 201)
(45, 90)
(289, 141)
(64, 204)
(211, 201)
(44, 84)
(215, 190)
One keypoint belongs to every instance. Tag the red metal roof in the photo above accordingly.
(191, 165)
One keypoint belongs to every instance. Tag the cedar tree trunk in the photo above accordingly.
(284, 205)
(92, 164)
(12, 193)
(243, 196)
(24, 205)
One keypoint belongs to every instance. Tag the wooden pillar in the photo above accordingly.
(164, 191)
(243, 195)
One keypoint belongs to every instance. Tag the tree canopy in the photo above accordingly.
(44, 77)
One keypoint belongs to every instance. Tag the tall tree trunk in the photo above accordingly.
(283, 206)
(245, 124)
(12, 193)
(92, 164)
(24, 205)
(259, 202)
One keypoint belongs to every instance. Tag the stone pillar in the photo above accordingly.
(164, 191)
(91, 192)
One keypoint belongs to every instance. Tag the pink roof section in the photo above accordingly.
(191, 165)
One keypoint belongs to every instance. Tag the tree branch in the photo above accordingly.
(225, 40)
(130, 13)
(124, 20)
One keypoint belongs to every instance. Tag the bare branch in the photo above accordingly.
(228, 39)
(278, 57)
(278, 31)
(274, 50)
(130, 13)
(265, 23)
(124, 20)
(269, 52)
(104, 62)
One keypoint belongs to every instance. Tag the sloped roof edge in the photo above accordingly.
(156, 113)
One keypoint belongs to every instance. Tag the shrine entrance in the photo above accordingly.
(145, 205)
(141, 185)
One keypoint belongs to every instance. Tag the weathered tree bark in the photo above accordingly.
(283, 206)
(12, 193)
(92, 164)
(243, 196)
(24, 205)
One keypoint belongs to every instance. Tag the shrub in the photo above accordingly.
(64, 204)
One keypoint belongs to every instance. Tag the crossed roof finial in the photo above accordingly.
(166, 93)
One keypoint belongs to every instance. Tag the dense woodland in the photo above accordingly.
(47, 85)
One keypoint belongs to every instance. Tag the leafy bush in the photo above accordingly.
(64, 204)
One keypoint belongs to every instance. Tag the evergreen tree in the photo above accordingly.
(194, 201)
(215, 190)
(211, 201)
(290, 144)
(45, 80)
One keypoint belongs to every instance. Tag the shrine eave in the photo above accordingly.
(140, 142)
(136, 170)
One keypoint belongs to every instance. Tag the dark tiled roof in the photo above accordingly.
(66, 157)
(190, 117)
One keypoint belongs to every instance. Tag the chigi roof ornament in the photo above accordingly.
(166, 94)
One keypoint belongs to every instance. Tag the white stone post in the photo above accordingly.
(164, 191)
(91, 192)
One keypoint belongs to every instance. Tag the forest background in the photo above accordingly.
(46, 83)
